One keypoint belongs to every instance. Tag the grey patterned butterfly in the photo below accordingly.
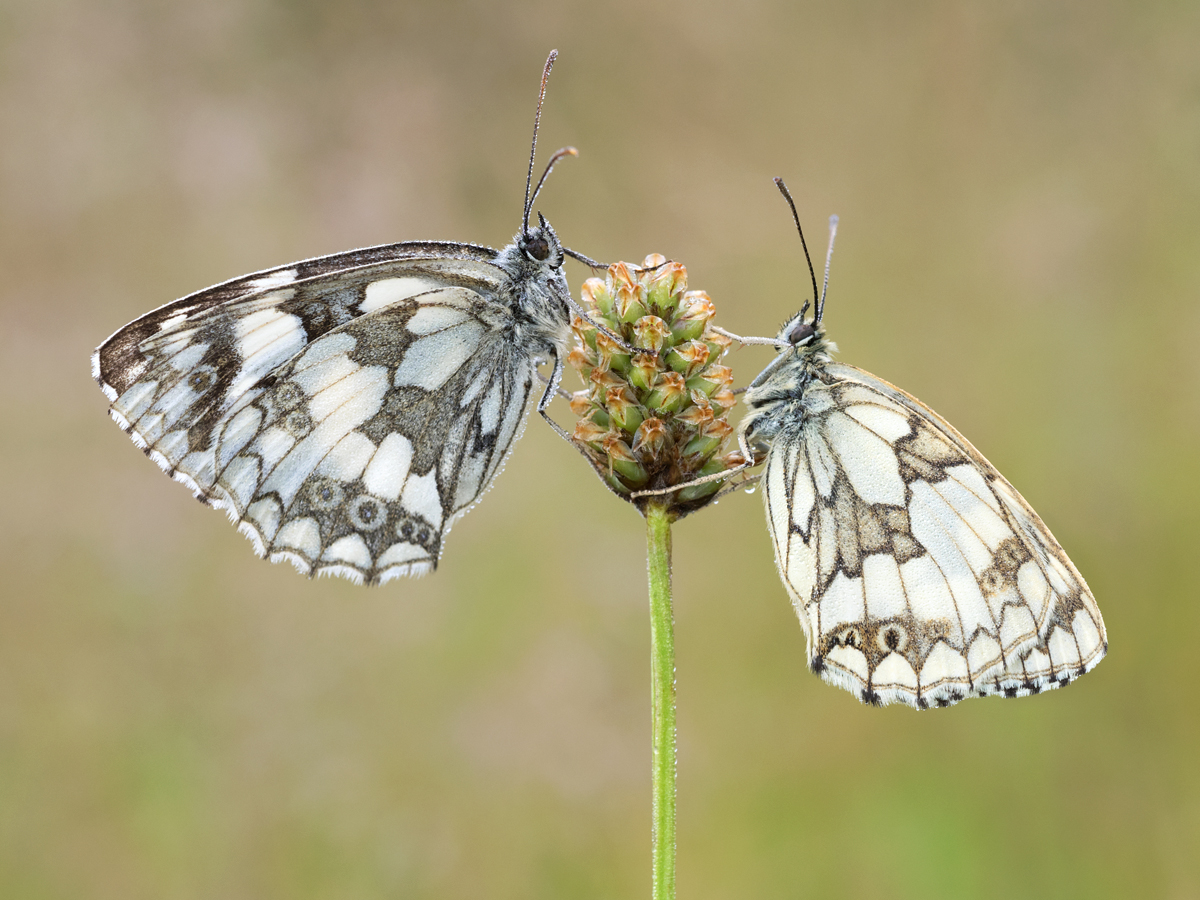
(345, 410)
(919, 573)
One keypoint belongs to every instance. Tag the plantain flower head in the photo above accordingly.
(653, 412)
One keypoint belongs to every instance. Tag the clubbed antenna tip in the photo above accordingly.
(833, 224)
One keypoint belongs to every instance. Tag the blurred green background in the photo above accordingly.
(1019, 191)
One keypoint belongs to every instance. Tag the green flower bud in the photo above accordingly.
(725, 399)
(702, 445)
(699, 416)
(717, 344)
(624, 463)
(629, 308)
(581, 404)
(616, 484)
(666, 288)
(602, 380)
(669, 395)
(629, 305)
(622, 407)
(581, 361)
(711, 380)
(597, 297)
(688, 358)
(651, 438)
(585, 333)
(643, 371)
(695, 312)
(609, 352)
(588, 432)
(649, 332)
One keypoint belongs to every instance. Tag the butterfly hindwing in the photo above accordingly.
(383, 431)
(343, 411)
(920, 575)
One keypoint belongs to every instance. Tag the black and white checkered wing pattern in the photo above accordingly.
(343, 411)
(920, 575)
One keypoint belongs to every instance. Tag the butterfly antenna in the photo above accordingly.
(833, 224)
(537, 120)
(803, 243)
(564, 152)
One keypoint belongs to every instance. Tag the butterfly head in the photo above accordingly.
(535, 254)
(799, 331)
(539, 245)
(800, 343)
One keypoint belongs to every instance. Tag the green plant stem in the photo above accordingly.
(662, 665)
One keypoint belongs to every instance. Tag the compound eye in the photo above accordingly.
(799, 333)
(538, 248)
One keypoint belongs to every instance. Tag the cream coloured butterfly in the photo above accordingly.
(918, 572)
(345, 410)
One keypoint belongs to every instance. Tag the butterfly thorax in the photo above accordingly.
(785, 396)
(536, 292)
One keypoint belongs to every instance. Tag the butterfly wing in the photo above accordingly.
(919, 574)
(343, 411)
(318, 294)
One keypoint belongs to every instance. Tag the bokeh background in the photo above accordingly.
(1019, 191)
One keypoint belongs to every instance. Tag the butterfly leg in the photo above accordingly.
(748, 461)
(551, 390)
(678, 487)
(549, 394)
(770, 342)
(748, 482)
(582, 313)
(586, 260)
(559, 391)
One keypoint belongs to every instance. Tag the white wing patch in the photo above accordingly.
(431, 361)
(388, 469)
(389, 291)
(919, 574)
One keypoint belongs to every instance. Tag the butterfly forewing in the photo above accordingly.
(116, 364)
(345, 410)
(919, 574)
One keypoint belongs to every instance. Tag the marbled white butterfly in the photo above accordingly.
(919, 573)
(345, 410)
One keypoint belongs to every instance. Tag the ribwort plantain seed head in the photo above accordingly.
(652, 413)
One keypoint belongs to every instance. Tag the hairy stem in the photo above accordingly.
(662, 665)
